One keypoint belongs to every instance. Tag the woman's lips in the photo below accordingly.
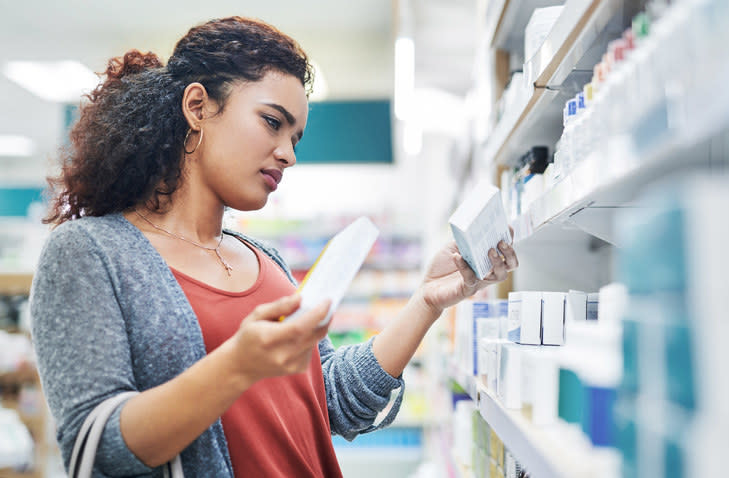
(272, 178)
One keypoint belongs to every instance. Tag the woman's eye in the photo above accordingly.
(273, 122)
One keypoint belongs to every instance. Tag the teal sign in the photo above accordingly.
(15, 201)
(347, 132)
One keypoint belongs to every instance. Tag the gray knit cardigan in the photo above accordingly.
(108, 316)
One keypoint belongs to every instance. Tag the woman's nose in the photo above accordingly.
(285, 154)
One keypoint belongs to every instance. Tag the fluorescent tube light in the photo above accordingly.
(16, 146)
(60, 81)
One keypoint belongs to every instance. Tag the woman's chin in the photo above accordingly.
(250, 205)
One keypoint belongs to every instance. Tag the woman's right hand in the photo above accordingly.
(159, 423)
(267, 347)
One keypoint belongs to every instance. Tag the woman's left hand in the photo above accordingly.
(449, 279)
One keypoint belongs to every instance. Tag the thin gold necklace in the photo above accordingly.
(215, 249)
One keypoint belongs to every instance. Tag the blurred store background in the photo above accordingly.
(604, 123)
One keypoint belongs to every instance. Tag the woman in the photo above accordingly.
(139, 288)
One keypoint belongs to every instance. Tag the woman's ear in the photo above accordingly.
(193, 104)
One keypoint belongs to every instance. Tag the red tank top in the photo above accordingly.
(280, 426)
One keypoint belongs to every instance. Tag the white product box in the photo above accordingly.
(487, 327)
(553, 318)
(485, 323)
(545, 396)
(463, 341)
(531, 318)
(708, 291)
(538, 27)
(482, 358)
(501, 312)
(526, 370)
(509, 379)
(478, 224)
(490, 362)
(474, 320)
(575, 307)
(612, 303)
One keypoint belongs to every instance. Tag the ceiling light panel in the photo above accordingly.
(58, 81)
(16, 146)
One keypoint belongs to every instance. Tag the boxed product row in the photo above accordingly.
(527, 317)
(540, 317)
(575, 382)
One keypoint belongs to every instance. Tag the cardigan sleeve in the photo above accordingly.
(82, 345)
(357, 388)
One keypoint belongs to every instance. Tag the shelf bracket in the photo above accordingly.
(597, 222)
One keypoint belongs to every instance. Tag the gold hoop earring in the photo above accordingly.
(184, 143)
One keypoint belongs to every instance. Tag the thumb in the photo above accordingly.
(311, 319)
(276, 309)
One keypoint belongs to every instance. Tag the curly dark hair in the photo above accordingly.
(126, 147)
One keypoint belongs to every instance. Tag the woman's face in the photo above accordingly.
(246, 147)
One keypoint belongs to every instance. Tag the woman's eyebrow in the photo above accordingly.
(289, 117)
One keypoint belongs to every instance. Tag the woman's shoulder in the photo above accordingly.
(93, 226)
(103, 233)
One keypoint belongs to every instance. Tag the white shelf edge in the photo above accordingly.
(583, 187)
(494, 20)
(545, 451)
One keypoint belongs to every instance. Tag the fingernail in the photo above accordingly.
(493, 253)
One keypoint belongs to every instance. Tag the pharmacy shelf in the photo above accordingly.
(681, 132)
(559, 67)
(608, 182)
(507, 19)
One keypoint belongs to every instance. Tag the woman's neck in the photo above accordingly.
(195, 219)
